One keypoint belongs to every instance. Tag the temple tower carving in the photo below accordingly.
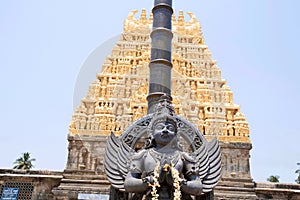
(117, 97)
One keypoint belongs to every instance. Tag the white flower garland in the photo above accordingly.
(176, 184)
(155, 183)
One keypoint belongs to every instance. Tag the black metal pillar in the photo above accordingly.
(161, 52)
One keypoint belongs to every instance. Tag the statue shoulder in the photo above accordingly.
(187, 158)
(139, 155)
(137, 161)
(191, 164)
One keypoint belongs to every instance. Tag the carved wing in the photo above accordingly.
(208, 159)
(116, 161)
(215, 166)
(202, 158)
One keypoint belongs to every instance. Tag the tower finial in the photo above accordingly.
(143, 16)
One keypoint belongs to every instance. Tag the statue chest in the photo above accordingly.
(154, 158)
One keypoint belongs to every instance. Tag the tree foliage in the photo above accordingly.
(298, 172)
(24, 162)
(273, 179)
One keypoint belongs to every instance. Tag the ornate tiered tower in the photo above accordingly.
(118, 95)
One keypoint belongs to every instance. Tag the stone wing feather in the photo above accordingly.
(116, 161)
(215, 166)
(201, 157)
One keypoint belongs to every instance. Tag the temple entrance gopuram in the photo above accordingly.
(117, 98)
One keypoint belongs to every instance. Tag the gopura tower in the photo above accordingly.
(118, 95)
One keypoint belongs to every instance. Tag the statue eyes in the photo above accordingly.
(169, 127)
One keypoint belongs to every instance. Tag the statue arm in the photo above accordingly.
(136, 181)
(135, 184)
(203, 169)
(192, 185)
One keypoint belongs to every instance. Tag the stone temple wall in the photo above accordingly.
(43, 186)
(35, 185)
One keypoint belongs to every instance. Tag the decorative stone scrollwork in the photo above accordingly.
(185, 129)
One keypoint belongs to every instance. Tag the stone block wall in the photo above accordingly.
(35, 185)
(45, 183)
(277, 191)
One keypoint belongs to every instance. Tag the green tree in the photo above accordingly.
(24, 162)
(298, 172)
(273, 179)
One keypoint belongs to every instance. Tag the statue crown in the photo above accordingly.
(163, 112)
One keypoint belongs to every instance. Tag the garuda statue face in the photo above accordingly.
(164, 133)
(162, 130)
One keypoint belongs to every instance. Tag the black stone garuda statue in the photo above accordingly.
(162, 169)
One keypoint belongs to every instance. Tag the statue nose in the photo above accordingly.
(165, 130)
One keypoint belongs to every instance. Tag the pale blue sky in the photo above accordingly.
(43, 45)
